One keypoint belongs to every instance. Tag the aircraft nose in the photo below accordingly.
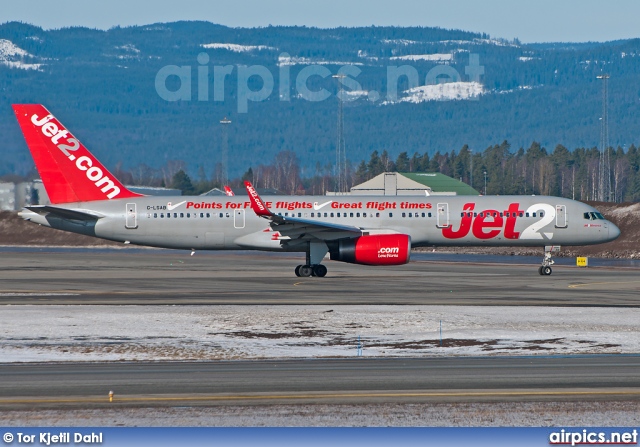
(614, 231)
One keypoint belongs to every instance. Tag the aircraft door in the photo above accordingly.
(131, 216)
(442, 217)
(238, 219)
(561, 216)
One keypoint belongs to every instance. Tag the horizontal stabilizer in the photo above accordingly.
(63, 213)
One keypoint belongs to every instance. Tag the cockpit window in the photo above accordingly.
(593, 216)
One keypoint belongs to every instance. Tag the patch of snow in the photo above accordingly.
(354, 94)
(520, 88)
(627, 210)
(571, 413)
(13, 56)
(364, 55)
(9, 49)
(21, 65)
(236, 47)
(129, 47)
(284, 61)
(496, 42)
(527, 58)
(438, 57)
(404, 42)
(34, 38)
(449, 91)
(115, 333)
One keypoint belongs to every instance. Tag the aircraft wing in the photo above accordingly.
(295, 228)
(64, 213)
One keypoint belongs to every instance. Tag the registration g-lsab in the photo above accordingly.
(87, 199)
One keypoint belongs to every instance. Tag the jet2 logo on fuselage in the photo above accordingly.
(488, 224)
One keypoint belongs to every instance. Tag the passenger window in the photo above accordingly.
(390, 214)
(188, 214)
(404, 214)
(208, 215)
(161, 215)
(541, 214)
(201, 214)
(526, 214)
(534, 214)
(155, 215)
(520, 214)
(377, 214)
(331, 214)
(325, 215)
(221, 215)
(227, 215)
(168, 215)
(312, 215)
(430, 214)
(338, 214)
(181, 214)
(357, 214)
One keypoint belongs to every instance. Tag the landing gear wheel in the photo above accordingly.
(319, 270)
(547, 270)
(298, 271)
(305, 270)
(539, 271)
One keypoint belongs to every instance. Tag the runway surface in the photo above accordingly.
(326, 380)
(162, 277)
(140, 276)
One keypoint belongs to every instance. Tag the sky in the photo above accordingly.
(529, 21)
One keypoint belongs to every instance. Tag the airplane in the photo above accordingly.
(369, 230)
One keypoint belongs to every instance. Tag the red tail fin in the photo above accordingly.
(70, 172)
(228, 191)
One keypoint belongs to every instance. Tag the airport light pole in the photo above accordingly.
(485, 183)
(225, 151)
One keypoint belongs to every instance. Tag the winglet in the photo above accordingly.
(257, 204)
(228, 191)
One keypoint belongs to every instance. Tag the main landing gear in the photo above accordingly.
(311, 270)
(315, 254)
(547, 262)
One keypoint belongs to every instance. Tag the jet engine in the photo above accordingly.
(379, 249)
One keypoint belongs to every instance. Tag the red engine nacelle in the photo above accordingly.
(380, 249)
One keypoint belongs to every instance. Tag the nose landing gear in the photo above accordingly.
(547, 262)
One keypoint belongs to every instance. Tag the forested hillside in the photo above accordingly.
(472, 90)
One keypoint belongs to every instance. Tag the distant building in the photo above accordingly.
(413, 183)
(7, 196)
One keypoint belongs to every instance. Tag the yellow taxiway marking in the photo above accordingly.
(318, 396)
(576, 286)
